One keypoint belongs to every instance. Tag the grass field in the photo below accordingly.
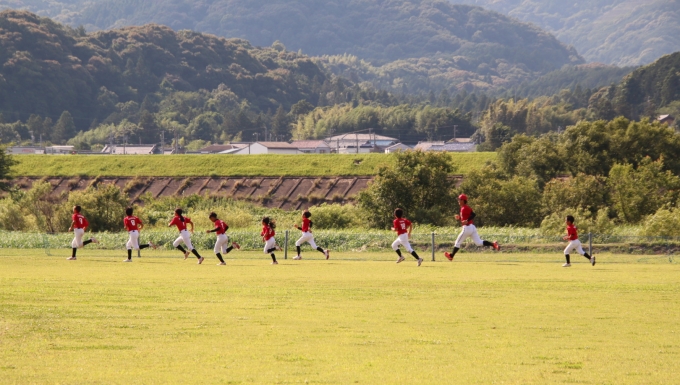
(220, 165)
(486, 318)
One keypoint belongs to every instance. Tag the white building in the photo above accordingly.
(256, 148)
(465, 146)
(25, 150)
(60, 150)
(397, 147)
(132, 149)
(353, 140)
(312, 146)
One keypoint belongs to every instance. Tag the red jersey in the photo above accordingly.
(465, 213)
(79, 221)
(181, 225)
(220, 226)
(572, 232)
(401, 225)
(305, 224)
(267, 232)
(132, 223)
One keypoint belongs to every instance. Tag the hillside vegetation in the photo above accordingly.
(620, 32)
(221, 165)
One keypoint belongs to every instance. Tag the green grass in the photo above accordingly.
(491, 318)
(219, 165)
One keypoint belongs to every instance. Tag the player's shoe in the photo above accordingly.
(221, 264)
(400, 260)
(567, 265)
(71, 259)
(328, 253)
(94, 240)
(186, 255)
(153, 245)
(592, 260)
(420, 261)
(496, 246)
(200, 260)
(236, 245)
(127, 260)
(275, 263)
(278, 248)
(448, 256)
(297, 257)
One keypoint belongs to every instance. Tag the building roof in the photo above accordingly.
(460, 140)
(309, 143)
(398, 146)
(661, 118)
(130, 149)
(217, 148)
(278, 145)
(441, 146)
(361, 137)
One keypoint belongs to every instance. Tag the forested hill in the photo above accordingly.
(620, 32)
(48, 68)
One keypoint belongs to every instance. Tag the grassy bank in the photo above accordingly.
(219, 165)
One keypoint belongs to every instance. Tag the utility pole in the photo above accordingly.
(163, 141)
(266, 131)
(455, 127)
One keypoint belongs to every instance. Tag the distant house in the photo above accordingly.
(25, 150)
(312, 146)
(397, 147)
(446, 147)
(362, 149)
(132, 149)
(256, 148)
(60, 150)
(666, 119)
(353, 140)
(222, 148)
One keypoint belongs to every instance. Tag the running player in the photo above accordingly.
(78, 224)
(268, 233)
(466, 219)
(574, 243)
(181, 222)
(222, 238)
(403, 228)
(133, 225)
(307, 236)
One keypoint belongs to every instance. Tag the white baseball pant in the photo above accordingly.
(469, 231)
(306, 237)
(574, 245)
(221, 244)
(269, 244)
(78, 239)
(185, 237)
(403, 241)
(133, 240)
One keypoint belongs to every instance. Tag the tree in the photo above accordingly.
(302, 107)
(64, 129)
(6, 163)
(416, 181)
(280, 122)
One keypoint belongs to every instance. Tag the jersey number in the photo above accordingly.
(132, 222)
(403, 226)
(81, 220)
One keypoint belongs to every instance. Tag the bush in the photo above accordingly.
(11, 216)
(103, 206)
(664, 223)
(582, 192)
(585, 221)
(335, 216)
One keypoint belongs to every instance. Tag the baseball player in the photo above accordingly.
(222, 238)
(78, 224)
(574, 243)
(403, 228)
(133, 225)
(268, 233)
(466, 219)
(181, 222)
(307, 236)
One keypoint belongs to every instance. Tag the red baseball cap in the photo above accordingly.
(462, 197)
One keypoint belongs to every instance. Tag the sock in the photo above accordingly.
(298, 249)
(455, 250)
(143, 247)
(180, 248)
(230, 248)
(273, 257)
(415, 255)
(87, 242)
(322, 251)
(488, 244)
(194, 252)
(73, 253)
(398, 252)
(129, 254)
(272, 249)
(587, 256)
(219, 256)
(567, 257)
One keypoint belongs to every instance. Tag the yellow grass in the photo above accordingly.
(490, 318)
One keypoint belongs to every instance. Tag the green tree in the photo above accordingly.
(6, 163)
(417, 182)
(103, 206)
(64, 129)
(586, 192)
